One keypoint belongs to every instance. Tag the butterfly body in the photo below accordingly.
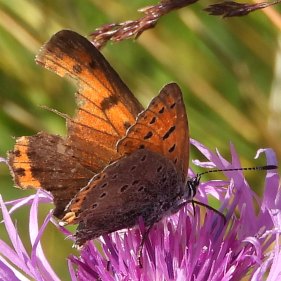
(118, 162)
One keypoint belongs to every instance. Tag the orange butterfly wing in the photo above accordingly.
(162, 128)
(44, 160)
(106, 108)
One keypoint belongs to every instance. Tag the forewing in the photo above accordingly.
(106, 107)
(162, 128)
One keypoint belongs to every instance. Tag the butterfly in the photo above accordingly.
(118, 161)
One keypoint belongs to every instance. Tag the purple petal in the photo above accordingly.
(275, 271)
(37, 256)
(71, 270)
(6, 273)
(12, 232)
(7, 252)
(3, 160)
(28, 200)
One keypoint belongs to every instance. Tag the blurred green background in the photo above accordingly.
(228, 69)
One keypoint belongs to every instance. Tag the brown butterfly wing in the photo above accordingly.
(162, 128)
(43, 160)
(142, 184)
(106, 107)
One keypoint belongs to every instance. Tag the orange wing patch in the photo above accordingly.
(106, 107)
(21, 165)
(162, 128)
(44, 160)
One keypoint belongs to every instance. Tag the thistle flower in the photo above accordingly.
(180, 247)
(200, 247)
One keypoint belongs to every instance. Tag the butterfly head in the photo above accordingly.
(191, 187)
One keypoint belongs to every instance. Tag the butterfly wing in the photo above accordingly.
(43, 160)
(106, 108)
(162, 128)
(142, 184)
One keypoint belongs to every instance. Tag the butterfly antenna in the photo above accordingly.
(194, 182)
(266, 167)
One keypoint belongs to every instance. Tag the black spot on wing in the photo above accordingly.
(148, 135)
(109, 102)
(17, 153)
(172, 148)
(152, 121)
(127, 125)
(103, 195)
(77, 68)
(172, 105)
(124, 188)
(20, 172)
(169, 132)
(92, 64)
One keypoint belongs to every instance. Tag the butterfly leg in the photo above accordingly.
(140, 249)
(193, 202)
(210, 208)
(193, 207)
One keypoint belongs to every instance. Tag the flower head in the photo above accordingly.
(200, 247)
(179, 247)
